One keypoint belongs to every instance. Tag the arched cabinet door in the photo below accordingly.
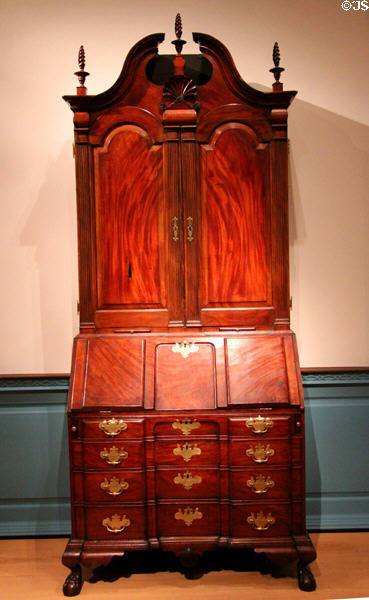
(130, 219)
(235, 229)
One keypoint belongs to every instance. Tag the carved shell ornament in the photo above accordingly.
(178, 90)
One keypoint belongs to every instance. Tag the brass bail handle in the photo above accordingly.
(190, 237)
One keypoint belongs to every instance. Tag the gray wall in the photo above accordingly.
(34, 482)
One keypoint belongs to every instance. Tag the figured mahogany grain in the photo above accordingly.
(257, 371)
(128, 184)
(234, 255)
(124, 361)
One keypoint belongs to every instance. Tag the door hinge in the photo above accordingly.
(291, 302)
(77, 306)
(74, 150)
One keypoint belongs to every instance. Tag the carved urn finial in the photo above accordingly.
(277, 70)
(81, 74)
(179, 43)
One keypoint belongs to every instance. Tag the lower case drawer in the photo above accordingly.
(114, 486)
(119, 522)
(260, 519)
(262, 483)
(188, 519)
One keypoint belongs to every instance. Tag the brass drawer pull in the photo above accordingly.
(114, 456)
(260, 453)
(114, 487)
(259, 424)
(186, 426)
(187, 480)
(175, 229)
(116, 523)
(187, 451)
(261, 484)
(190, 237)
(261, 522)
(185, 348)
(113, 427)
(188, 515)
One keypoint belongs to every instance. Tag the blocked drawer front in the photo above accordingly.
(262, 519)
(267, 451)
(259, 425)
(114, 487)
(115, 454)
(118, 523)
(260, 484)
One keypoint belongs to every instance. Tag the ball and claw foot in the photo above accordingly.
(305, 578)
(73, 583)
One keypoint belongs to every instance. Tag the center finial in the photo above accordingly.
(179, 43)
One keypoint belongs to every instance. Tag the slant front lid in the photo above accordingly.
(169, 373)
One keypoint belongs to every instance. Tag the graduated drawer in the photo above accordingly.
(263, 452)
(112, 427)
(117, 486)
(187, 452)
(115, 522)
(186, 427)
(115, 454)
(262, 519)
(187, 483)
(188, 519)
(261, 483)
(259, 425)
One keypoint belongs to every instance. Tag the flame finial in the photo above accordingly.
(178, 26)
(277, 70)
(81, 74)
(179, 43)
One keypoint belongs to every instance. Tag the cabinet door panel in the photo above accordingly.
(235, 227)
(129, 221)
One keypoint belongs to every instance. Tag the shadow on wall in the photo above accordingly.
(328, 213)
(51, 227)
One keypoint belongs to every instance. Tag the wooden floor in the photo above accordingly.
(31, 569)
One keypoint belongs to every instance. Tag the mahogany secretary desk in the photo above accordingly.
(185, 411)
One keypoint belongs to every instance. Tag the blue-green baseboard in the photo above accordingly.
(34, 478)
